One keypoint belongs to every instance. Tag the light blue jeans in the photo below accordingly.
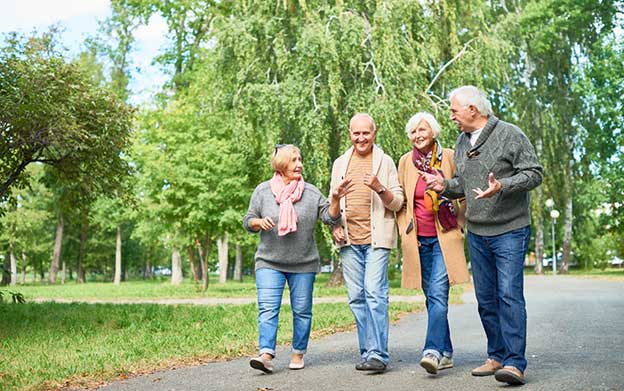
(435, 285)
(270, 284)
(365, 270)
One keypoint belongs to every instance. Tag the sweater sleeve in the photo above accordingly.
(254, 211)
(528, 172)
(394, 186)
(323, 212)
(454, 187)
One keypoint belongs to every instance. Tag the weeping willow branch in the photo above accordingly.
(314, 93)
(457, 57)
(368, 41)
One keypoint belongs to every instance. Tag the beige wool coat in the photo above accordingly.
(451, 242)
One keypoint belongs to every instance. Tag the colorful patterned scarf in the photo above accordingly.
(441, 206)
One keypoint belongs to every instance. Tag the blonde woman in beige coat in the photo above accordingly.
(432, 238)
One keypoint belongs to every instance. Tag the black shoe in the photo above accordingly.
(373, 365)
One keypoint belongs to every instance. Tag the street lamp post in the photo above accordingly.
(554, 215)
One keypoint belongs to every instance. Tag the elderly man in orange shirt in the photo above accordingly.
(366, 235)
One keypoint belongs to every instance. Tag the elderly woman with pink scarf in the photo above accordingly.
(285, 210)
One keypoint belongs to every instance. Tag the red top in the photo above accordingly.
(425, 220)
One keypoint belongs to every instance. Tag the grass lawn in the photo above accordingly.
(44, 346)
(615, 274)
(156, 289)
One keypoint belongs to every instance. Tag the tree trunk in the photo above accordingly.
(13, 280)
(567, 237)
(80, 274)
(539, 248)
(194, 268)
(238, 263)
(539, 221)
(58, 244)
(63, 273)
(176, 267)
(336, 279)
(117, 279)
(147, 268)
(203, 256)
(222, 249)
(23, 268)
(6, 270)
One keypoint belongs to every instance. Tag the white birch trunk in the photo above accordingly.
(117, 279)
(238, 263)
(13, 267)
(56, 255)
(222, 249)
(176, 267)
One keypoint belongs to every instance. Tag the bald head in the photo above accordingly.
(362, 118)
(362, 130)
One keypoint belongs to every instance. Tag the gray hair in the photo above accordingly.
(415, 120)
(362, 115)
(472, 96)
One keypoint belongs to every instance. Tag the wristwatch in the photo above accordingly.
(382, 190)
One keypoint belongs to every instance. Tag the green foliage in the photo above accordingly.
(52, 112)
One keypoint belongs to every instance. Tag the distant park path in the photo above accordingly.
(575, 342)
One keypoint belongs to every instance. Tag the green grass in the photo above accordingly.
(607, 274)
(44, 346)
(155, 289)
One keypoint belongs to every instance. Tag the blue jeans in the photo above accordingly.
(497, 263)
(435, 285)
(365, 270)
(270, 284)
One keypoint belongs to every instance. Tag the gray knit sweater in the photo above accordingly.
(503, 149)
(295, 252)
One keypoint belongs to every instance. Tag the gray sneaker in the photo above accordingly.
(430, 363)
(445, 363)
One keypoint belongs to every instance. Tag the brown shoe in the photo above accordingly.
(488, 369)
(510, 375)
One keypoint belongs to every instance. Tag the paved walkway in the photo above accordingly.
(575, 342)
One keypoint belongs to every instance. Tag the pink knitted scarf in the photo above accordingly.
(286, 196)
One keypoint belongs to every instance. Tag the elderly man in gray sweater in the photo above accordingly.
(496, 169)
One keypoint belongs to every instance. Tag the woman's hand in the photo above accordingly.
(265, 224)
(338, 233)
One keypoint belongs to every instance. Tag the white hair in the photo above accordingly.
(415, 120)
(357, 116)
(472, 96)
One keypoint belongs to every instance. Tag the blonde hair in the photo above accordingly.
(282, 155)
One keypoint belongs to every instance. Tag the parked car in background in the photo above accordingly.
(617, 262)
(162, 271)
(547, 260)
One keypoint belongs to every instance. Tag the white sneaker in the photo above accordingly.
(430, 363)
(445, 363)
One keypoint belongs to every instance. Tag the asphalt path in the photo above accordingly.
(575, 342)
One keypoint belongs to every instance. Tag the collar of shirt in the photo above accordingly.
(474, 135)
